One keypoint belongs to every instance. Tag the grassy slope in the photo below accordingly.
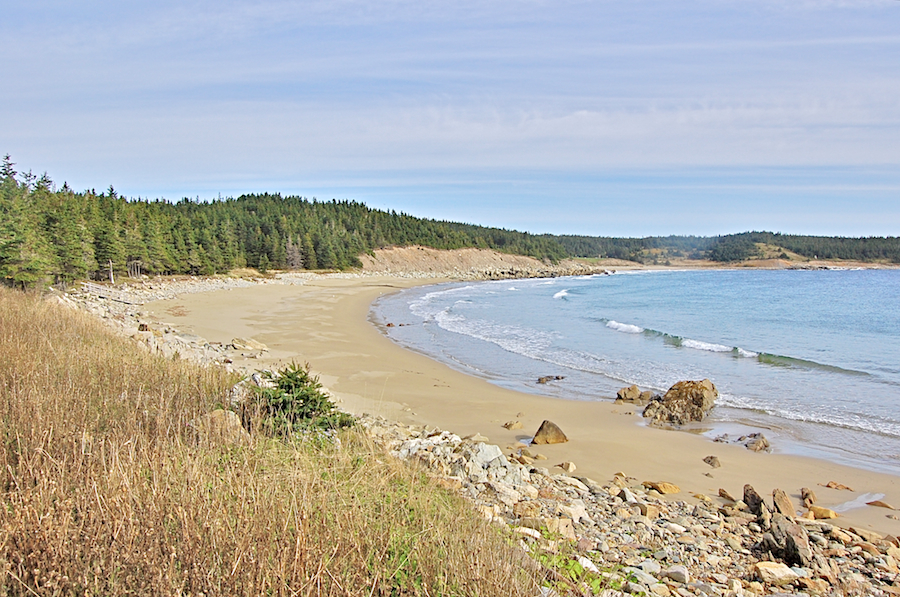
(106, 491)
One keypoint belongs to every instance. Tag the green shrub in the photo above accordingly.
(297, 402)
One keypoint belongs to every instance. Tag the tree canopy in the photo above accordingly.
(57, 234)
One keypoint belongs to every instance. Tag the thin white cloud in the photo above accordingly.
(276, 93)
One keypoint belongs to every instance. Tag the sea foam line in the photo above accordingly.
(628, 328)
(625, 328)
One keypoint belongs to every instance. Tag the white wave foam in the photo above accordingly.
(626, 328)
(711, 347)
(707, 346)
(860, 502)
(428, 305)
(518, 340)
(561, 294)
(841, 420)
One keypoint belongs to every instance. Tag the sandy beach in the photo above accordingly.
(325, 322)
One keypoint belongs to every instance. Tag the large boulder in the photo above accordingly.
(549, 433)
(629, 394)
(788, 541)
(686, 401)
(753, 500)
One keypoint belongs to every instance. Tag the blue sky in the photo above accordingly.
(622, 118)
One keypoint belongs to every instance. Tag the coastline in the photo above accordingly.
(325, 321)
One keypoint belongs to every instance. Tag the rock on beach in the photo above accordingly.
(549, 433)
(686, 401)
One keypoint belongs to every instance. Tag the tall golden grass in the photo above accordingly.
(106, 490)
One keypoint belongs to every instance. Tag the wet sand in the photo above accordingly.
(325, 323)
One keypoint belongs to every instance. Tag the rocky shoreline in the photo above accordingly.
(634, 533)
(638, 538)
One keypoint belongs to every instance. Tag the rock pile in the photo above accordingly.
(129, 319)
(644, 542)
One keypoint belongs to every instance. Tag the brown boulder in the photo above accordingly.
(686, 401)
(549, 433)
(567, 466)
(808, 496)
(836, 485)
(629, 394)
(663, 487)
(753, 500)
(723, 493)
(757, 442)
(712, 461)
(820, 512)
(789, 541)
(783, 503)
(775, 573)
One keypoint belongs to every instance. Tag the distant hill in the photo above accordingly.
(51, 235)
(735, 247)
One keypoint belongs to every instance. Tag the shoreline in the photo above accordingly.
(729, 422)
(325, 321)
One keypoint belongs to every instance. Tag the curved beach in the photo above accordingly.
(325, 322)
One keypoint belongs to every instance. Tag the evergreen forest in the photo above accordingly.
(50, 234)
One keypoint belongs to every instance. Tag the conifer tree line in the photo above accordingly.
(733, 247)
(50, 234)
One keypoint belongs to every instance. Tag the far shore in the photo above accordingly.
(325, 322)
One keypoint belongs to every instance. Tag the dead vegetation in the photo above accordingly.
(107, 491)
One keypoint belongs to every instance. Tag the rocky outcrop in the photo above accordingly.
(788, 541)
(651, 544)
(685, 402)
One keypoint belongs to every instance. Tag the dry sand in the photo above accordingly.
(325, 323)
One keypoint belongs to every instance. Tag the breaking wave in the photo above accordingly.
(624, 327)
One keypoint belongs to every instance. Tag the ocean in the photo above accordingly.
(809, 358)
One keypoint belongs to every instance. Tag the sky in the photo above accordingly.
(594, 117)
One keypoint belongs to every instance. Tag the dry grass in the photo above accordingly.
(107, 492)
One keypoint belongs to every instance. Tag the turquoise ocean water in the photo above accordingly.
(811, 358)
